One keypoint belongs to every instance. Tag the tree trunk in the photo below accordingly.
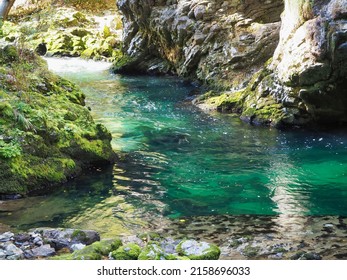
(5, 7)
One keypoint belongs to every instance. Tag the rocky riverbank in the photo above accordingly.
(47, 134)
(86, 245)
(270, 71)
(64, 30)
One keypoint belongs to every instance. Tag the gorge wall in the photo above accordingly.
(271, 69)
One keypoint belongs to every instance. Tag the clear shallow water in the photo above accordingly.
(177, 161)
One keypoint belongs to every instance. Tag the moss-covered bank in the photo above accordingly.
(67, 30)
(47, 135)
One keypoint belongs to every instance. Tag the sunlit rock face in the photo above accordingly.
(221, 43)
(310, 63)
(224, 43)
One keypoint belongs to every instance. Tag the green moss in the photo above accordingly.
(254, 106)
(130, 251)
(9, 54)
(152, 251)
(79, 235)
(198, 250)
(51, 135)
(250, 251)
(36, 170)
(87, 253)
(121, 62)
(104, 247)
(226, 102)
(172, 257)
(96, 251)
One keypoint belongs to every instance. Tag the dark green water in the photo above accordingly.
(181, 162)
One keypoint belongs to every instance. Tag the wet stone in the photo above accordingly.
(22, 238)
(133, 239)
(306, 256)
(78, 246)
(65, 238)
(169, 246)
(13, 253)
(42, 251)
(2, 254)
(7, 236)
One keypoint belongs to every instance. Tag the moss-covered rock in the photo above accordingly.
(105, 247)
(96, 251)
(66, 31)
(129, 251)
(196, 250)
(152, 251)
(47, 135)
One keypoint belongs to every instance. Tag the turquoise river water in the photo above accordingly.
(179, 167)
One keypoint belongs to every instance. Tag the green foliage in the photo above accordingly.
(10, 150)
(51, 135)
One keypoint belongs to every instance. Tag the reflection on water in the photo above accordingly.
(176, 162)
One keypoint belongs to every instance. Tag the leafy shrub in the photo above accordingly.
(10, 150)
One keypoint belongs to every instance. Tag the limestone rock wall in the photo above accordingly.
(221, 43)
(224, 44)
(310, 63)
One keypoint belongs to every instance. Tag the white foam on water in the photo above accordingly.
(76, 65)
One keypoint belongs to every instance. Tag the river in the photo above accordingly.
(183, 172)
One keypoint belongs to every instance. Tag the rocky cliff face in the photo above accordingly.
(221, 43)
(310, 64)
(224, 43)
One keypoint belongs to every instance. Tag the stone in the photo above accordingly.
(306, 256)
(22, 238)
(65, 238)
(199, 39)
(13, 253)
(130, 251)
(152, 251)
(38, 241)
(7, 236)
(133, 239)
(106, 246)
(78, 246)
(196, 250)
(239, 45)
(2, 255)
(43, 251)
